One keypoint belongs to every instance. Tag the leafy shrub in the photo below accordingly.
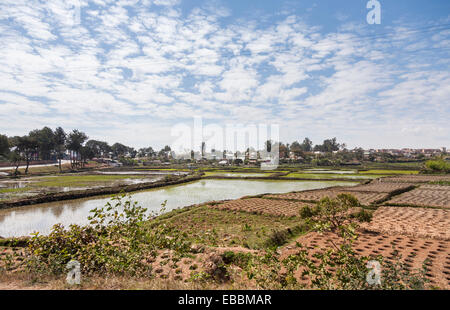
(338, 267)
(437, 166)
(116, 241)
(362, 215)
(238, 259)
(277, 238)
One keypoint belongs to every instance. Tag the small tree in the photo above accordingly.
(60, 144)
(45, 140)
(27, 147)
(74, 143)
(15, 158)
(4, 146)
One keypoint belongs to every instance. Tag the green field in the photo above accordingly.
(213, 227)
(236, 174)
(319, 176)
(79, 180)
(389, 171)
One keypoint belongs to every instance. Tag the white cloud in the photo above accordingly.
(131, 64)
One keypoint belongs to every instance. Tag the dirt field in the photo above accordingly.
(413, 250)
(263, 206)
(366, 198)
(417, 178)
(427, 196)
(380, 187)
(414, 222)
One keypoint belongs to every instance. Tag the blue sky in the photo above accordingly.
(130, 70)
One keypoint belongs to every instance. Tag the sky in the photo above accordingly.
(130, 71)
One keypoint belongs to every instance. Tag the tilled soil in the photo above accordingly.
(435, 187)
(264, 206)
(365, 198)
(164, 266)
(424, 196)
(414, 251)
(414, 222)
(417, 178)
(380, 187)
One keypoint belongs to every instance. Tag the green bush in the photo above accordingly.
(339, 266)
(437, 166)
(117, 241)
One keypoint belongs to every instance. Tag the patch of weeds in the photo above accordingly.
(246, 227)
(362, 215)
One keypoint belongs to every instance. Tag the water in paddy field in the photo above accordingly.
(238, 174)
(328, 171)
(22, 221)
(142, 172)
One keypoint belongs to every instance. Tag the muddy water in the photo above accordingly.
(25, 220)
(329, 171)
(142, 172)
(237, 174)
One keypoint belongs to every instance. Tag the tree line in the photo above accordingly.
(48, 144)
(328, 146)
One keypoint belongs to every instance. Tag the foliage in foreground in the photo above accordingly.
(119, 241)
(116, 242)
(335, 268)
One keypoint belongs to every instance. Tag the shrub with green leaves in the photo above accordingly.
(118, 240)
(437, 166)
(339, 266)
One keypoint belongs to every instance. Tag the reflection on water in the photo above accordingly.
(238, 174)
(329, 171)
(14, 184)
(25, 220)
(142, 172)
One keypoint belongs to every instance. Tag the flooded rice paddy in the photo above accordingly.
(22, 221)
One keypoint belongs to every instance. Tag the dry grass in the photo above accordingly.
(27, 281)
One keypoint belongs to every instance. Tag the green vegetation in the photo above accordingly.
(330, 176)
(115, 242)
(213, 227)
(122, 240)
(79, 180)
(159, 169)
(386, 172)
(440, 183)
(338, 267)
(437, 166)
(13, 190)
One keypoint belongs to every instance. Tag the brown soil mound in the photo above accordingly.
(435, 187)
(426, 197)
(366, 198)
(414, 222)
(413, 251)
(417, 178)
(380, 187)
(263, 206)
